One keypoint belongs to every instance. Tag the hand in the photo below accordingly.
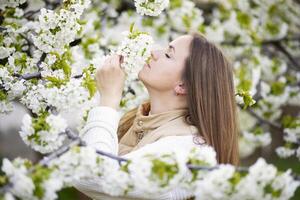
(110, 81)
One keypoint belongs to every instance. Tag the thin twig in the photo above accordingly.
(45, 161)
(287, 54)
(2, 28)
(78, 141)
(262, 120)
(30, 13)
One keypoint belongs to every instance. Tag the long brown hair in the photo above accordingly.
(208, 77)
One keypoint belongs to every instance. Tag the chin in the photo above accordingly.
(140, 75)
(142, 78)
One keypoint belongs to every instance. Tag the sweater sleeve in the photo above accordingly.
(100, 131)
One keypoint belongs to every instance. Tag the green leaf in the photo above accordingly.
(39, 175)
(147, 22)
(277, 88)
(235, 179)
(56, 82)
(88, 81)
(245, 84)
(21, 62)
(39, 123)
(131, 27)
(175, 4)
(289, 121)
(3, 180)
(186, 21)
(85, 46)
(3, 95)
(258, 131)
(243, 19)
(97, 24)
(270, 190)
(247, 98)
(272, 28)
(124, 167)
(163, 171)
(61, 63)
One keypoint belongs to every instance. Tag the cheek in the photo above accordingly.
(162, 78)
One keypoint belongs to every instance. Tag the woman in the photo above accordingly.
(192, 101)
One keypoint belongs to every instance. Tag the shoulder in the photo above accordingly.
(169, 144)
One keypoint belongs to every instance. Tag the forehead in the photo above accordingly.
(181, 45)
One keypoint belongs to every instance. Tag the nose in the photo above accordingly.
(154, 55)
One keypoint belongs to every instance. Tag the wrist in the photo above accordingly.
(110, 102)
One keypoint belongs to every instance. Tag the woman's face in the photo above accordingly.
(166, 65)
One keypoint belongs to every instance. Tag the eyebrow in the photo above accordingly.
(172, 47)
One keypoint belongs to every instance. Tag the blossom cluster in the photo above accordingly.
(136, 50)
(150, 7)
(70, 96)
(11, 3)
(156, 172)
(22, 185)
(76, 164)
(258, 137)
(186, 17)
(57, 29)
(291, 137)
(45, 133)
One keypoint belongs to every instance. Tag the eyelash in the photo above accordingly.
(167, 55)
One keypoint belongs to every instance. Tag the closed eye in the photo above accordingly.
(167, 55)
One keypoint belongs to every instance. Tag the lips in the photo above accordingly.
(147, 65)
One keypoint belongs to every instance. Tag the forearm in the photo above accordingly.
(100, 131)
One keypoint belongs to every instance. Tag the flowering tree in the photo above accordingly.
(50, 50)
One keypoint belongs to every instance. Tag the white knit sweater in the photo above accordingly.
(100, 133)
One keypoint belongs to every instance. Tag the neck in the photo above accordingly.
(164, 101)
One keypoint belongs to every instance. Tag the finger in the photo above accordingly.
(116, 61)
(121, 59)
(107, 61)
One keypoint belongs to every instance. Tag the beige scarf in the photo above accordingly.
(150, 128)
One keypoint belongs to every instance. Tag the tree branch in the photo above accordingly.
(261, 119)
(280, 47)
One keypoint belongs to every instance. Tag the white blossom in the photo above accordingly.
(145, 171)
(261, 139)
(55, 30)
(150, 7)
(22, 185)
(78, 163)
(285, 184)
(52, 186)
(186, 17)
(135, 48)
(284, 152)
(68, 97)
(44, 141)
(216, 184)
(292, 134)
(5, 52)
(252, 186)
(11, 3)
(114, 181)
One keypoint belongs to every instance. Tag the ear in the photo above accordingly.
(180, 89)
